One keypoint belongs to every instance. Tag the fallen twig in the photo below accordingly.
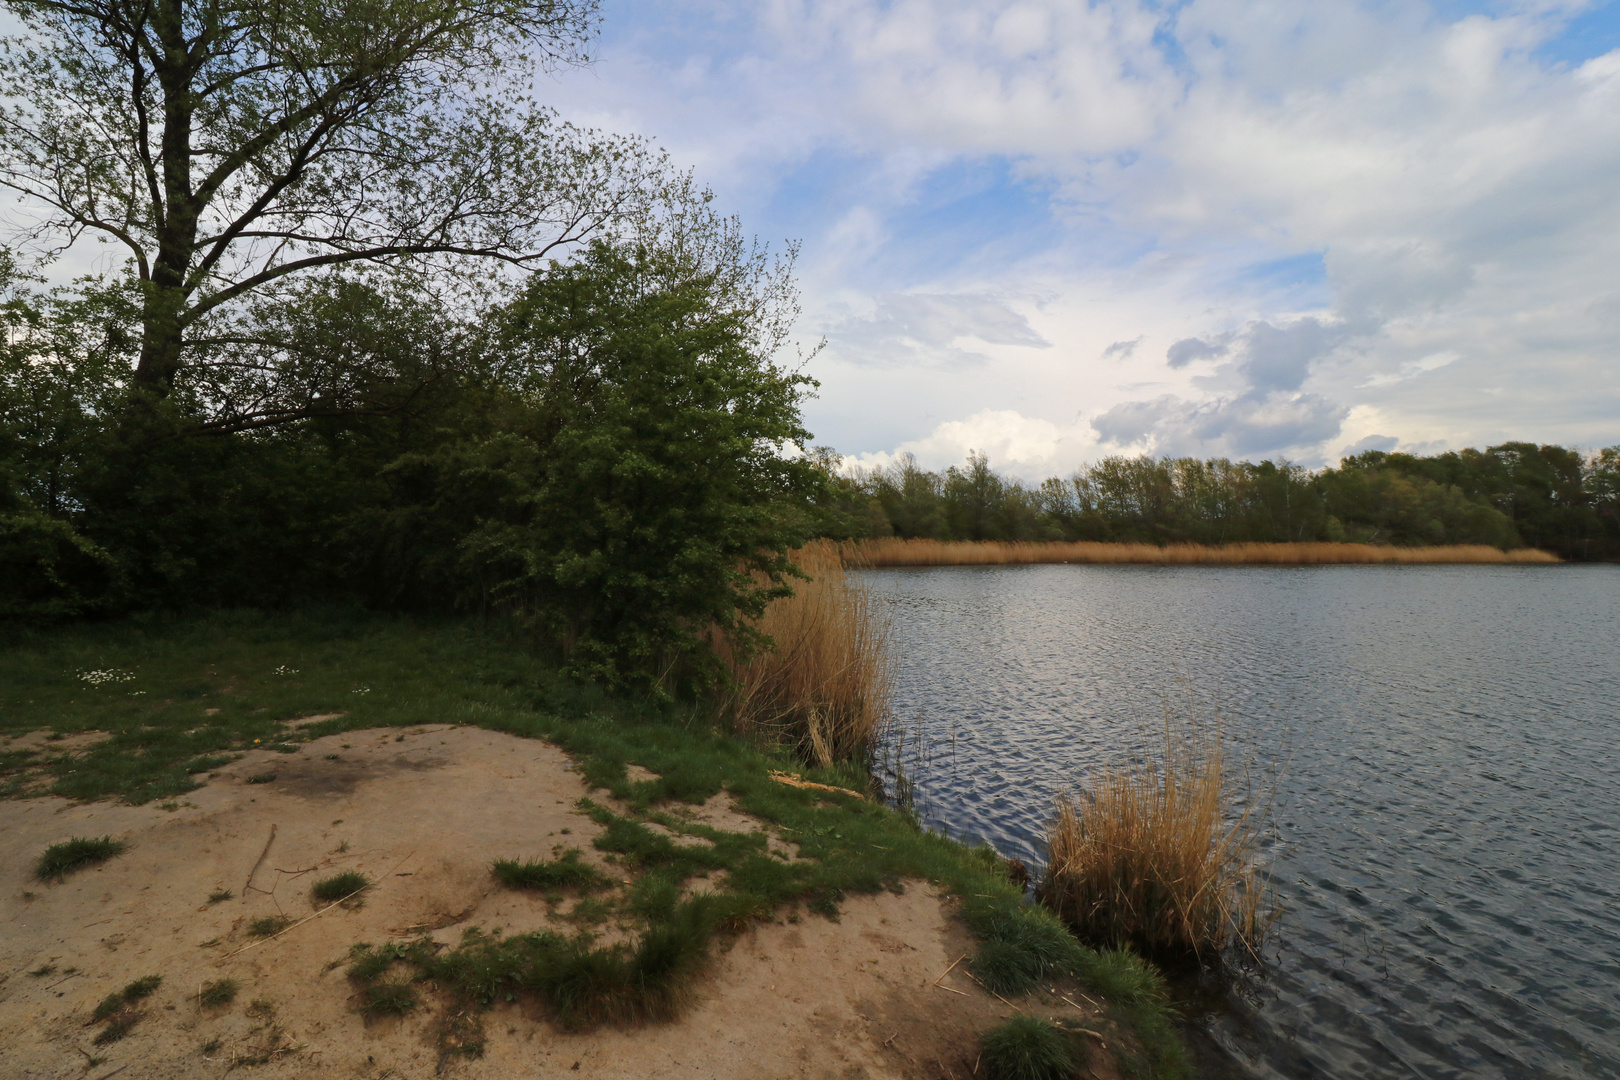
(794, 781)
(318, 914)
(993, 994)
(950, 969)
(262, 855)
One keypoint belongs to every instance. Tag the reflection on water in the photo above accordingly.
(1441, 742)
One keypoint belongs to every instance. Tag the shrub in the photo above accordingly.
(60, 860)
(1028, 1048)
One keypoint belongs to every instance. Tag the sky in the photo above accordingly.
(1053, 231)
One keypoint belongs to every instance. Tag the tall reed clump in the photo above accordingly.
(1158, 856)
(891, 551)
(825, 686)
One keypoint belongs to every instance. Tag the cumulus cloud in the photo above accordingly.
(1246, 426)
(1123, 350)
(929, 330)
(1018, 445)
(1454, 188)
(1187, 350)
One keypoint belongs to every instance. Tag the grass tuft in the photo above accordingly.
(1156, 857)
(339, 887)
(60, 860)
(387, 998)
(215, 994)
(1028, 1048)
(219, 896)
(564, 871)
(268, 925)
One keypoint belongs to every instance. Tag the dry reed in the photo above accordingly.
(1154, 856)
(897, 552)
(825, 687)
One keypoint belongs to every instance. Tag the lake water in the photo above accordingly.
(1441, 745)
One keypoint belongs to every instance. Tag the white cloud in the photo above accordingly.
(1457, 190)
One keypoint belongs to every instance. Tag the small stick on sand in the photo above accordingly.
(249, 884)
(950, 969)
(952, 989)
(992, 993)
(318, 914)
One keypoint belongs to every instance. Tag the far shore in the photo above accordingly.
(867, 554)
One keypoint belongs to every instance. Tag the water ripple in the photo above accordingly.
(1440, 744)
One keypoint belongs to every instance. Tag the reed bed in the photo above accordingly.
(1155, 856)
(863, 554)
(826, 685)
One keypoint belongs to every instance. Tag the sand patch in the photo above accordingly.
(422, 812)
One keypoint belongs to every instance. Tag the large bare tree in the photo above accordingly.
(229, 144)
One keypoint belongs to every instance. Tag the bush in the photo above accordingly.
(1028, 1048)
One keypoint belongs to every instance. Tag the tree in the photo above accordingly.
(230, 146)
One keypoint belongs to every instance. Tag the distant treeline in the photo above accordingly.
(1512, 495)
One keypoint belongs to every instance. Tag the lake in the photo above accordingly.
(1439, 745)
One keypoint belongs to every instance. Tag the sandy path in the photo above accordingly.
(423, 812)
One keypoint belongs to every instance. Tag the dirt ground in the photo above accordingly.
(424, 811)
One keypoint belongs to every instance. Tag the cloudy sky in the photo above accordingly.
(1057, 230)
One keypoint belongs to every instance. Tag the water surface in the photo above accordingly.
(1441, 743)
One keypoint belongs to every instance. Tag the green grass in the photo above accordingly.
(339, 887)
(60, 860)
(452, 672)
(1028, 1048)
(564, 871)
(268, 925)
(215, 994)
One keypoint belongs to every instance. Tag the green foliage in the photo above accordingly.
(339, 887)
(69, 856)
(1028, 1048)
(564, 871)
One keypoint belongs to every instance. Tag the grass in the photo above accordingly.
(565, 871)
(1028, 1048)
(268, 925)
(220, 992)
(219, 896)
(70, 856)
(825, 688)
(455, 672)
(339, 887)
(1157, 857)
(117, 1010)
(897, 552)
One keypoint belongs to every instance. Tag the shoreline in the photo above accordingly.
(890, 552)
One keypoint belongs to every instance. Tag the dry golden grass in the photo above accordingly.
(896, 552)
(1155, 857)
(825, 688)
